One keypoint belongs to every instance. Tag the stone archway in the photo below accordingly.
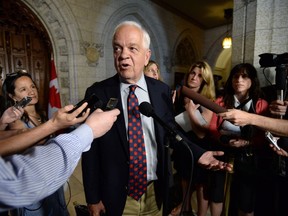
(25, 46)
(59, 23)
(184, 54)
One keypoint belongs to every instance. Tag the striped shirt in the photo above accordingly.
(38, 172)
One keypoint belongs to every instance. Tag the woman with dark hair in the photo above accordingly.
(243, 145)
(15, 87)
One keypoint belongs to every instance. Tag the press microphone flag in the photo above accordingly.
(281, 75)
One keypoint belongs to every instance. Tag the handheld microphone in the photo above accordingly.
(280, 81)
(93, 103)
(146, 109)
(205, 102)
(280, 78)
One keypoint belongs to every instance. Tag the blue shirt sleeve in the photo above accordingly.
(41, 170)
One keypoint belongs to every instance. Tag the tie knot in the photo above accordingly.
(132, 88)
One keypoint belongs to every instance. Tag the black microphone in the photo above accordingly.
(281, 75)
(93, 103)
(146, 109)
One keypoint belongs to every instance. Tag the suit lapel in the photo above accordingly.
(114, 91)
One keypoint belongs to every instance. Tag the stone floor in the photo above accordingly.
(74, 191)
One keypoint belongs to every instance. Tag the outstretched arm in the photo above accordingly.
(41, 170)
(61, 119)
(242, 118)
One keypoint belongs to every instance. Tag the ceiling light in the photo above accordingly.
(227, 41)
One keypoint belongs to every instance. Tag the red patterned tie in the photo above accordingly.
(137, 169)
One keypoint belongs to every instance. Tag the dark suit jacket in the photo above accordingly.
(105, 166)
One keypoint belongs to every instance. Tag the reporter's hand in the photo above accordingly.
(190, 106)
(236, 117)
(278, 107)
(280, 152)
(238, 143)
(101, 122)
(10, 115)
(62, 119)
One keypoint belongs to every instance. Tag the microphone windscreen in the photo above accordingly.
(146, 109)
(203, 101)
(281, 75)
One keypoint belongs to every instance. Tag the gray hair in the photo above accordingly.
(146, 37)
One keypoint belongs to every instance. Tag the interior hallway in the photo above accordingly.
(76, 192)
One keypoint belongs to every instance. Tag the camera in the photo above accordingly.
(272, 59)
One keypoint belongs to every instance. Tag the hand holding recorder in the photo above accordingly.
(94, 103)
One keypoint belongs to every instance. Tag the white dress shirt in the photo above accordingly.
(147, 124)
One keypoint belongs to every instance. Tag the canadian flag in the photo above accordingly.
(54, 95)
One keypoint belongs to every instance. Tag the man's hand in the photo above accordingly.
(10, 115)
(101, 122)
(208, 161)
(62, 119)
(96, 209)
(237, 117)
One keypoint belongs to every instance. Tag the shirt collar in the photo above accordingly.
(141, 84)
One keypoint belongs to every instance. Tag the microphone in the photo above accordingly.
(93, 103)
(199, 99)
(281, 75)
(146, 109)
(280, 80)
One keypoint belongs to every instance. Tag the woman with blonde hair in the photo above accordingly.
(152, 70)
(199, 78)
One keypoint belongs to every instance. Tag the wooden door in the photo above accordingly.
(24, 46)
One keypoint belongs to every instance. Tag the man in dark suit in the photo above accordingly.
(106, 166)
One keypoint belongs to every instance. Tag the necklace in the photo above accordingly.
(37, 118)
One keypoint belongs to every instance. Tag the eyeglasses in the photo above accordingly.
(18, 73)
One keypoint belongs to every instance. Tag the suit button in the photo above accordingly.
(127, 162)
